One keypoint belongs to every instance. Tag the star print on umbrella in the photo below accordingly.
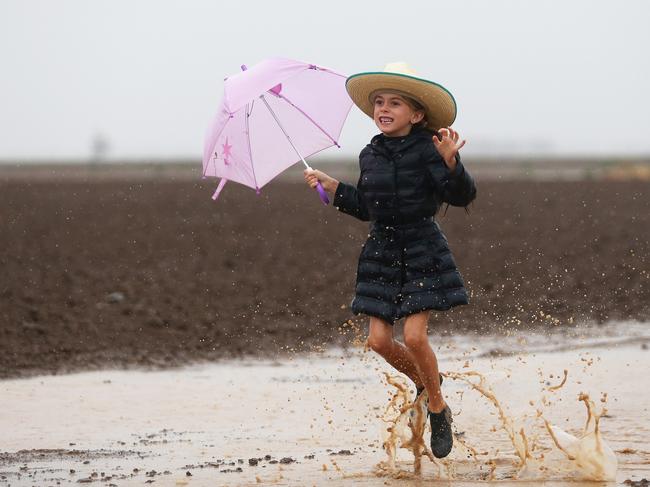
(226, 151)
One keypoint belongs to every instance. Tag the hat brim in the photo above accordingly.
(439, 103)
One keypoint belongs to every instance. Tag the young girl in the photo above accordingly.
(406, 268)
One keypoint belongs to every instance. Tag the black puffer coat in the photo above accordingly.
(405, 265)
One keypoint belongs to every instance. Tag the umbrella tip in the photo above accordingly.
(257, 191)
(243, 67)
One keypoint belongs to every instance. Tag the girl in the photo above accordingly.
(405, 268)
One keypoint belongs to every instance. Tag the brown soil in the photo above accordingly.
(107, 273)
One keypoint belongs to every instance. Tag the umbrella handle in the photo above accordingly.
(322, 194)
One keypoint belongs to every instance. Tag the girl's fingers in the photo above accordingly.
(311, 178)
(461, 144)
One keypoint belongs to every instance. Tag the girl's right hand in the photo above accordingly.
(447, 143)
(314, 176)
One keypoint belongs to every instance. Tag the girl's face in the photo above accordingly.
(393, 115)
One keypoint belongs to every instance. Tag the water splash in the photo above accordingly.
(587, 455)
(407, 421)
(540, 450)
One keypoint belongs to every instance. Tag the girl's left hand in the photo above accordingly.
(447, 143)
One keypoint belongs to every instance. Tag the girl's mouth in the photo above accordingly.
(385, 120)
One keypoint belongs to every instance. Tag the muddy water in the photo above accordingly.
(324, 418)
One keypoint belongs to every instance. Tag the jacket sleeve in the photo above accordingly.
(454, 187)
(349, 199)
(459, 188)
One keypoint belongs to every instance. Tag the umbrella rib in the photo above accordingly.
(284, 131)
(250, 152)
(281, 96)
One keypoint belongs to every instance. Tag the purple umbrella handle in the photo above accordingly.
(322, 194)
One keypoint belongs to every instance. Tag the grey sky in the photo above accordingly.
(543, 76)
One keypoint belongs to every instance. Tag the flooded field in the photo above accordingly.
(323, 418)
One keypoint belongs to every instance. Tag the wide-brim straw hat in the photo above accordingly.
(399, 78)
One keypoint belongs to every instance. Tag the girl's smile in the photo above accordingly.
(393, 115)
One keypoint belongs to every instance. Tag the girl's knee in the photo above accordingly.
(380, 336)
(415, 340)
(381, 344)
(415, 331)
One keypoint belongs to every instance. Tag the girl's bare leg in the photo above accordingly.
(381, 340)
(417, 342)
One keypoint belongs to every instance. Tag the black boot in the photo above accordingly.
(441, 438)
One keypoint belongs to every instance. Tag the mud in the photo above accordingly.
(103, 272)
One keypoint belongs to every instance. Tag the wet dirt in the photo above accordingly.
(106, 272)
(321, 418)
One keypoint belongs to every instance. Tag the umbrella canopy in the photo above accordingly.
(272, 116)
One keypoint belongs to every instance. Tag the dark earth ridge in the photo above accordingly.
(108, 273)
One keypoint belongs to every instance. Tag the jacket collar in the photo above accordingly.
(380, 142)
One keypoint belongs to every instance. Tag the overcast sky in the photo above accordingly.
(529, 77)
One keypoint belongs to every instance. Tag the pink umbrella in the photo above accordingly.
(270, 115)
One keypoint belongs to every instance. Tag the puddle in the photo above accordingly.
(324, 418)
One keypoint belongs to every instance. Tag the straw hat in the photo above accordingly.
(399, 78)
